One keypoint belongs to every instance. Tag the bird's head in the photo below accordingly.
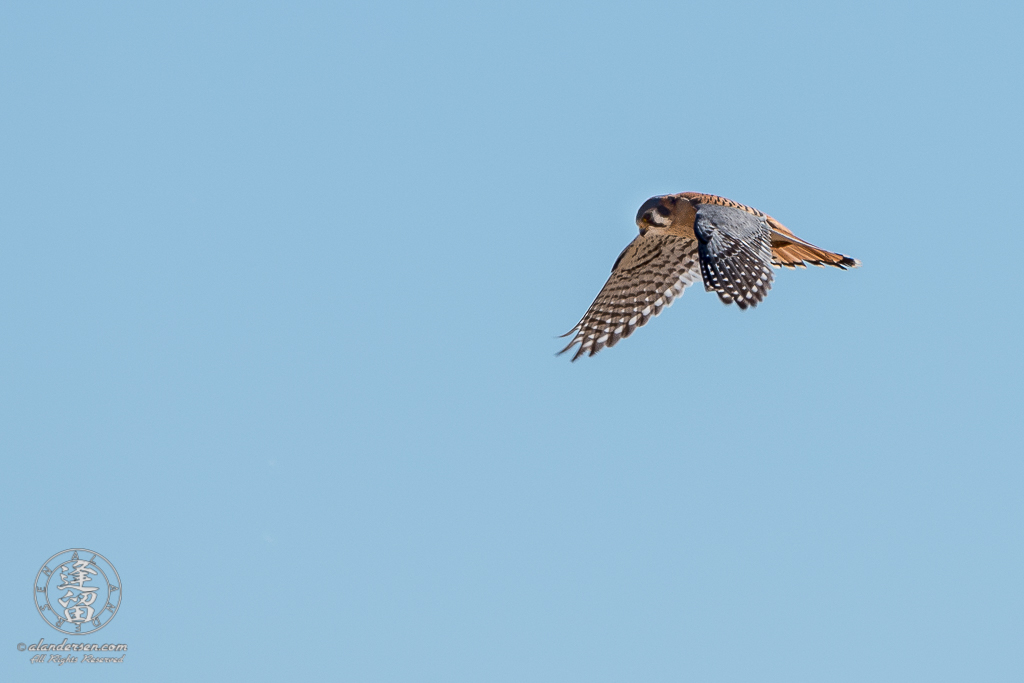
(655, 213)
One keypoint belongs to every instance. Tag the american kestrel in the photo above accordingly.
(685, 238)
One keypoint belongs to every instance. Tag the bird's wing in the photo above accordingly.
(735, 250)
(647, 276)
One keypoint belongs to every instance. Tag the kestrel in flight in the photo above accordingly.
(685, 238)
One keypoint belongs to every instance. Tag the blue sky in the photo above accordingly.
(282, 285)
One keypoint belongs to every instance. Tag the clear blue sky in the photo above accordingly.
(281, 285)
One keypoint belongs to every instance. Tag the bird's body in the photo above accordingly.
(688, 237)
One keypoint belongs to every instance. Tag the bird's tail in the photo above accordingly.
(790, 251)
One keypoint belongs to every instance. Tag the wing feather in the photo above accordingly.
(648, 275)
(735, 251)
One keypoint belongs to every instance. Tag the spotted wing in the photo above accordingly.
(647, 276)
(735, 254)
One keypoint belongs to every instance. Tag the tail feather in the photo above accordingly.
(790, 251)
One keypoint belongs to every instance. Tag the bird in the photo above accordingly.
(685, 238)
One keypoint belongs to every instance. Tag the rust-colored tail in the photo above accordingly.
(790, 251)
